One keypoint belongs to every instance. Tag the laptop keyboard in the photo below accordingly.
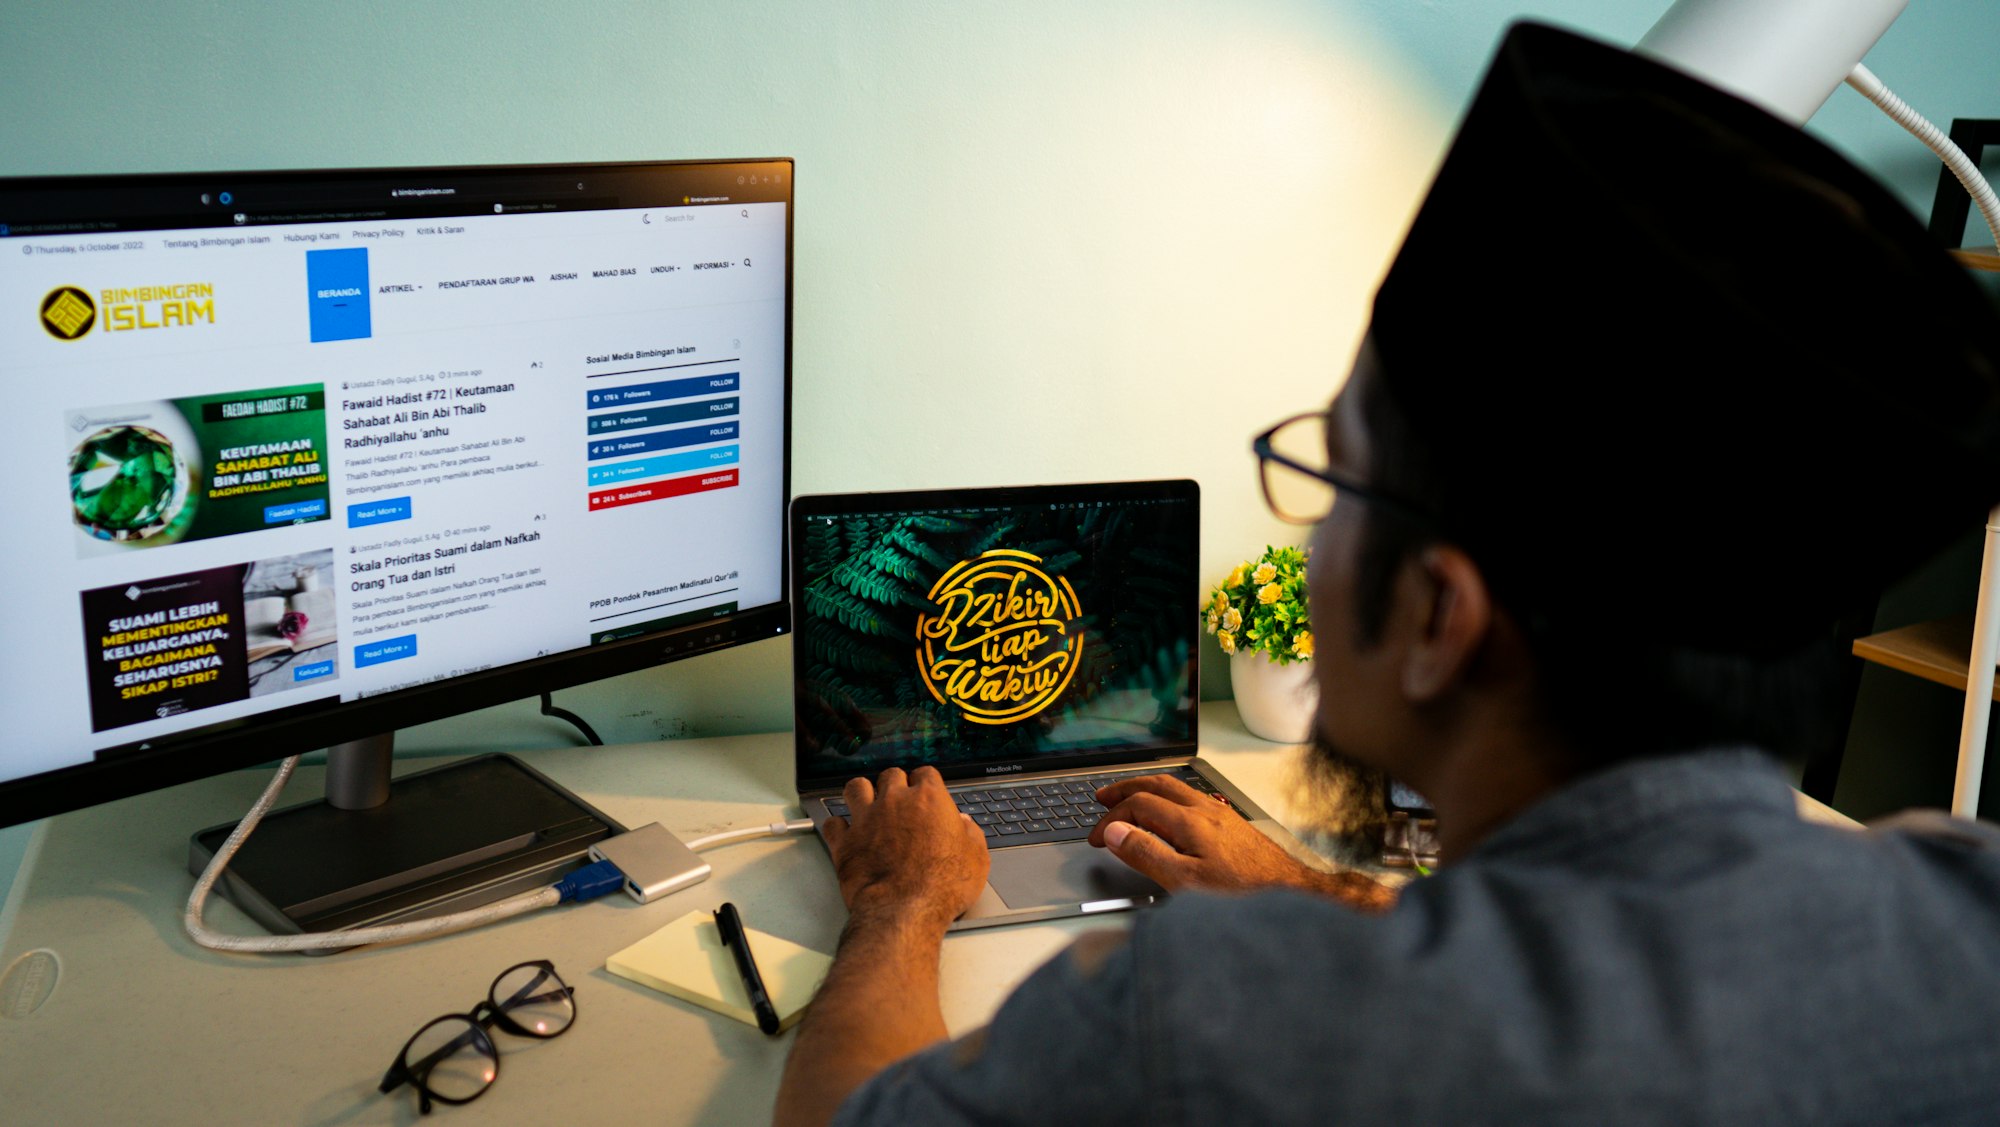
(1029, 813)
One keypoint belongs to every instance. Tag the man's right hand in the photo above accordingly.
(908, 847)
(908, 864)
(1183, 838)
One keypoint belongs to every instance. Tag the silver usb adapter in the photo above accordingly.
(653, 861)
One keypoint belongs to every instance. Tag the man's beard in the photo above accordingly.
(1335, 794)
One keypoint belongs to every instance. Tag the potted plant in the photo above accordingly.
(1258, 616)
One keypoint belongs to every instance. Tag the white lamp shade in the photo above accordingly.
(1785, 55)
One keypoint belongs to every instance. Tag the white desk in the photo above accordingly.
(145, 1027)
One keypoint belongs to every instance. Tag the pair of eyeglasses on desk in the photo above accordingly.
(452, 1059)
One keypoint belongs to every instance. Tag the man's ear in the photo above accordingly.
(1454, 617)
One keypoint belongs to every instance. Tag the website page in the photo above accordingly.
(251, 467)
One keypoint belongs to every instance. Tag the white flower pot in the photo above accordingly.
(1276, 701)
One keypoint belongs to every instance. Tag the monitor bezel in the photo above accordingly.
(122, 772)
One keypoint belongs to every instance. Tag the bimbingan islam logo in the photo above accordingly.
(1004, 639)
(68, 313)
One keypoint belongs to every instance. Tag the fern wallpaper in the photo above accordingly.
(862, 703)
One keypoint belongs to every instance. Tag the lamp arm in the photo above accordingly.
(1954, 158)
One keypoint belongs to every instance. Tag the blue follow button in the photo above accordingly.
(295, 511)
(312, 672)
(378, 512)
(388, 649)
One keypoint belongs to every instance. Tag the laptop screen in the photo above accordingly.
(990, 631)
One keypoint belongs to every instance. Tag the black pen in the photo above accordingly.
(731, 926)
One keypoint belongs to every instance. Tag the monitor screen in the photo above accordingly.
(994, 629)
(292, 458)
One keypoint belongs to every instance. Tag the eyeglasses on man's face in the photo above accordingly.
(452, 1059)
(1299, 485)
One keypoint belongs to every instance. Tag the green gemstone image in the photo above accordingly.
(126, 483)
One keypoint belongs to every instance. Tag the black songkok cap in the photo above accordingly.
(1682, 368)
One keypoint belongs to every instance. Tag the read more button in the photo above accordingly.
(378, 512)
(386, 650)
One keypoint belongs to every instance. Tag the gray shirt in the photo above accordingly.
(1662, 942)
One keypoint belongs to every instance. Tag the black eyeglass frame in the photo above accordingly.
(1341, 483)
(483, 1016)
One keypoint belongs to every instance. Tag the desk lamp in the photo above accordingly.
(1789, 55)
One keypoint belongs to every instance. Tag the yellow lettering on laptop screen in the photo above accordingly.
(962, 632)
(1002, 644)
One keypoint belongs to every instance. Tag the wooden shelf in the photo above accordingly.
(1979, 258)
(1935, 651)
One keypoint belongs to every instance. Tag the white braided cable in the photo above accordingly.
(775, 829)
(516, 905)
(1954, 158)
(333, 940)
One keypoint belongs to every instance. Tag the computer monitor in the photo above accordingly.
(294, 459)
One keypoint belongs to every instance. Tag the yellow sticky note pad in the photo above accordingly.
(686, 959)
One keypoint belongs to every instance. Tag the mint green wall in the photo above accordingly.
(873, 94)
(1123, 234)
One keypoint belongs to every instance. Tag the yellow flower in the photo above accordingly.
(1232, 619)
(1236, 577)
(1228, 642)
(1221, 602)
(1268, 594)
(1264, 574)
(1213, 618)
(1303, 644)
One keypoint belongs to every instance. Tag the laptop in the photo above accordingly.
(1032, 643)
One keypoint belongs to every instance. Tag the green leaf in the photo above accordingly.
(905, 538)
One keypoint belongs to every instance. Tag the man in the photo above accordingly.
(1657, 389)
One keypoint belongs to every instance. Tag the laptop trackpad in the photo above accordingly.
(1071, 872)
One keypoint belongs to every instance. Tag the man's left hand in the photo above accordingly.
(1183, 838)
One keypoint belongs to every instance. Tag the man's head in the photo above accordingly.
(1410, 623)
(1671, 388)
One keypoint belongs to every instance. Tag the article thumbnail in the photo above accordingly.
(145, 475)
(181, 643)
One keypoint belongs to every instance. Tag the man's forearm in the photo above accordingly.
(1351, 889)
(879, 1004)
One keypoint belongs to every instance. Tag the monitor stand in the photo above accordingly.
(432, 842)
